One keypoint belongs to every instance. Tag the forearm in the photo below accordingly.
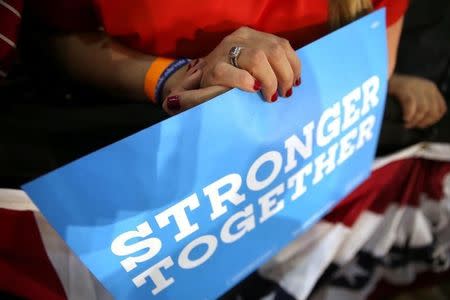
(98, 61)
(393, 39)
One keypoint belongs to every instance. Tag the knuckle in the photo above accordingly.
(244, 79)
(420, 117)
(256, 57)
(218, 72)
(286, 80)
(228, 39)
(298, 64)
(276, 50)
(272, 85)
(242, 31)
(285, 43)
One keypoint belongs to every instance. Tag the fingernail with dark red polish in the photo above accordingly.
(298, 81)
(173, 103)
(257, 85)
(274, 97)
(289, 92)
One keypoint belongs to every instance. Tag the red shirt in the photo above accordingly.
(181, 28)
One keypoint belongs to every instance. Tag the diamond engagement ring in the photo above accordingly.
(234, 53)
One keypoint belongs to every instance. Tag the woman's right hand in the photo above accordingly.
(267, 63)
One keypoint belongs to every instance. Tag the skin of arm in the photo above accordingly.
(422, 103)
(97, 60)
(393, 38)
(101, 62)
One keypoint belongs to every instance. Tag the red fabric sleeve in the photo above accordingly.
(65, 15)
(395, 9)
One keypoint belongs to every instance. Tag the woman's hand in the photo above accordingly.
(267, 63)
(421, 101)
(188, 93)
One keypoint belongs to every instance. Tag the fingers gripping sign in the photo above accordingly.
(247, 59)
(250, 59)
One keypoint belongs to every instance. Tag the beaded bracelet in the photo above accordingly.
(158, 73)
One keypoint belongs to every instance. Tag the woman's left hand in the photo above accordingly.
(188, 92)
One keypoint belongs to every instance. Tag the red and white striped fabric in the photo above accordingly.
(10, 19)
(392, 227)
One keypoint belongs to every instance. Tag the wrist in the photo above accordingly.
(173, 81)
(395, 84)
(159, 73)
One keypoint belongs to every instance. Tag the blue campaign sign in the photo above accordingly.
(187, 208)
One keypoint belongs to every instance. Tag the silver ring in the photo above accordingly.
(234, 53)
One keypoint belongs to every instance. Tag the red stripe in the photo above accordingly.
(25, 268)
(5, 50)
(434, 180)
(9, 24)
(400, 182)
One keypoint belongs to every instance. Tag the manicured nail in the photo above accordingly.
(289, 92)
(274, 97)
(298, 81)
(173, 103)
(257, 85)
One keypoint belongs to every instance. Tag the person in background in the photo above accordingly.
(419, 89)
(423, 73)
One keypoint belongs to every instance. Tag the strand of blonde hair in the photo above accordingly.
(342, 12)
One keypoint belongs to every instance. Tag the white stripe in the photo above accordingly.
(8, 41)
(77, 281)
(299, 273)
(15, 200)
(432, 151)
(12, 9)
(2, 74)
(385, 236)
(405, 153)
(436, 151)
(361, 231)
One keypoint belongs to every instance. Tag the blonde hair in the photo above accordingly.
(342, 12)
